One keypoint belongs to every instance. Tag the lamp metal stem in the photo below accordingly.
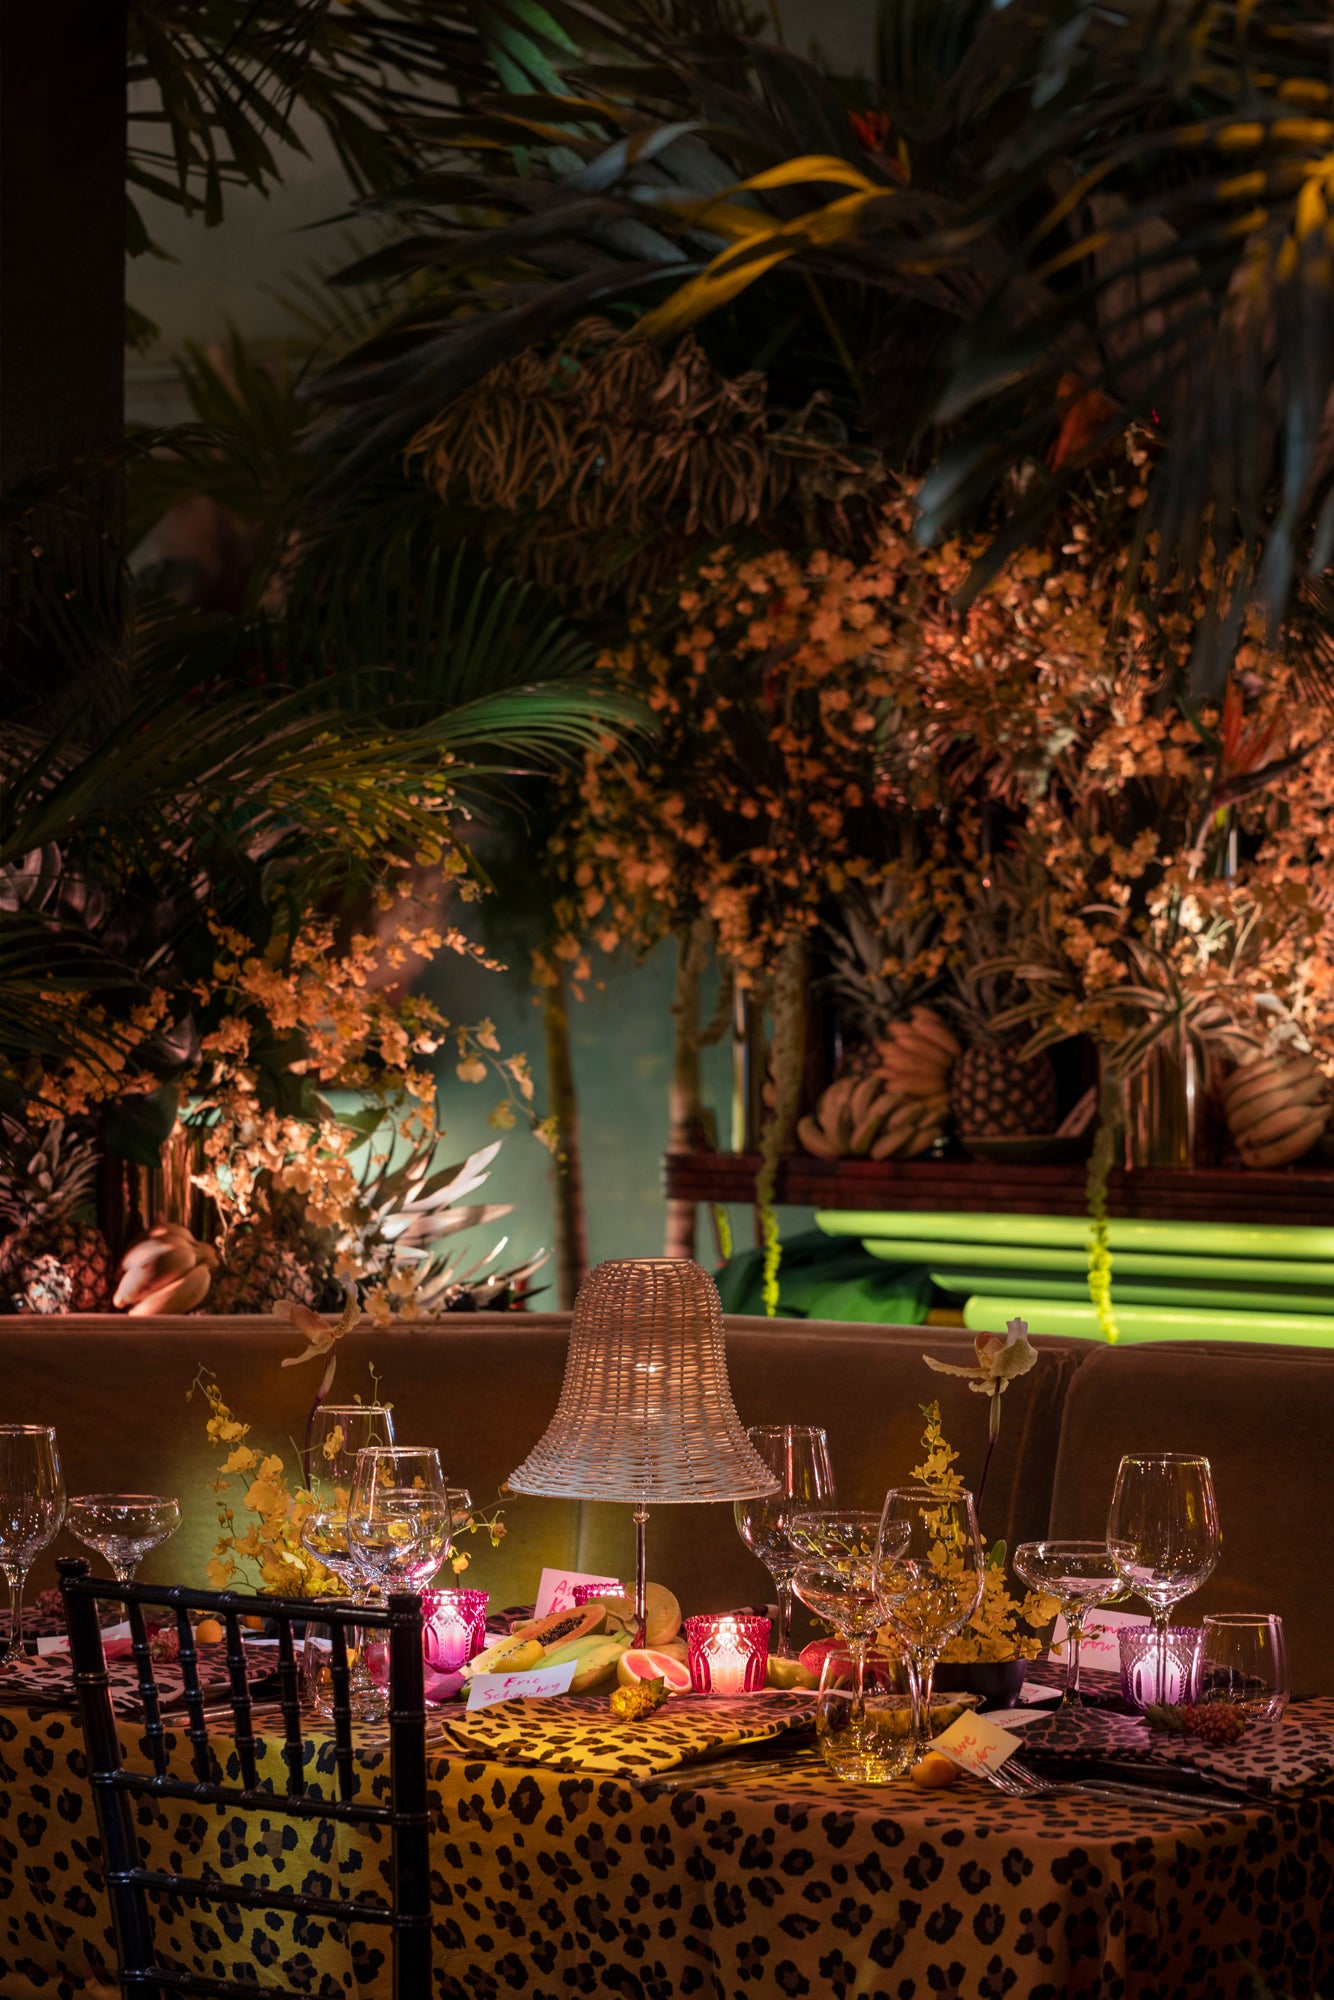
(641, 1573)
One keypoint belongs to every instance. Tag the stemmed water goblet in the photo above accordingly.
(1162, 1531)
(1079, 1575)
(939, 1576)
(398, 1515)
(32, 1510)
(799, 1455)
(338, 1432)
(123, 1527)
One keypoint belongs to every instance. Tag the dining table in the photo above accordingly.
(712, 1854)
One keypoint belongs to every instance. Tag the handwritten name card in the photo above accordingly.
(975, 1744)
(483, 1689)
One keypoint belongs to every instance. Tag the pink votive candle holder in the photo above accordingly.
(593, 1593)
(453, 1627)
(728, 1653)
(1145, 1678)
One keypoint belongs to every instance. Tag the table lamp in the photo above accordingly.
(645, 1412)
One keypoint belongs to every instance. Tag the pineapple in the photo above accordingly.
(993, 1093)
(54, 1261)
(274, 1257)
(875, 949)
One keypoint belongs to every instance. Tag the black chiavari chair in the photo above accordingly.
(131, 1886)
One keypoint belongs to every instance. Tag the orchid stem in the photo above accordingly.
(986, 1467)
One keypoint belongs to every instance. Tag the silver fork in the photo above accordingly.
(1020, 1783)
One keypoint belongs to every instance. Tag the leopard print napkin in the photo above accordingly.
(579, 1732)
(1273, 1761)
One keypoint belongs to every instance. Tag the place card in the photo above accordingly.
(1100, 1646)
(555, 1592)
(975, 1743)
(483, 1689)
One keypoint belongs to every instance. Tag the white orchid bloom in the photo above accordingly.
(1000, 1358)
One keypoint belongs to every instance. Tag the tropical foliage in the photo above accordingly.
(1035, 232)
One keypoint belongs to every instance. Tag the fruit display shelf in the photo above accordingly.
(1301, 1196)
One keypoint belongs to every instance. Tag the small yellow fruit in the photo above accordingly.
(934, 1773)
(208, 1632)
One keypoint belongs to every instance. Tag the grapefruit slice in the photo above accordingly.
(641, 1663)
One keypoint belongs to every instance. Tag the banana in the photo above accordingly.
(1282, 1152)
(170, 1260)
(929, 1024)
(903, 1126)
(862, 1100)
(507, 1656)
(165, 1271)
(1244, 1083)
(1277, 1124)
(1309, 1090)
(815, 1140)
(859, 1145)
(176, 1295)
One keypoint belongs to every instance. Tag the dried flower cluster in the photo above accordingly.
(826, 722)
(277, 1028)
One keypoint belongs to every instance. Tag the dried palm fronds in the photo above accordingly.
(648, 452)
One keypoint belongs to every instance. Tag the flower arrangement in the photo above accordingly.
(831, 724)
(266, 1551)
(993, 1632)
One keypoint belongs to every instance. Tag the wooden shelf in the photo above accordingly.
(1296, 1196)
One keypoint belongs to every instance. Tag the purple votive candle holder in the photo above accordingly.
(1144, 1679)
(593, 1593)
(453, 1627)
(728, 1653)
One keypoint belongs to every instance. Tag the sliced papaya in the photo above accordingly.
(559, 1627)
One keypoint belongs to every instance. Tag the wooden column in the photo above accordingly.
(62, 240)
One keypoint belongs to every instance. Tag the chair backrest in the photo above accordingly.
(131, 1885)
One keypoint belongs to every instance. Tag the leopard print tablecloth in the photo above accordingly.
(550, 1885)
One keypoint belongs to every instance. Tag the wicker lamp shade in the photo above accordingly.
(645, 1412)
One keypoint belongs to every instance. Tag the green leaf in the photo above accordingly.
(136, 1128)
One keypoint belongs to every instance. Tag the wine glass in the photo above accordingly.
(1162, 1531)
(799, 1455)
(32, 1509)
(1080, 1575)
(939, 1586)
(123, 1527)
(398, 1515)
(338, 1431)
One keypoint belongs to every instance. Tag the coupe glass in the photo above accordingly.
(1244, 1659)
(838, 1574)
(32, 1510)
(123, 1527)
(1163, 1532)
(1080, 1575)
(398, 1516)
(799, 1455)
(938, 1586)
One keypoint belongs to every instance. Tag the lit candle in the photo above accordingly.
(727, 1658)
(728, 1655)
(454, 1627)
